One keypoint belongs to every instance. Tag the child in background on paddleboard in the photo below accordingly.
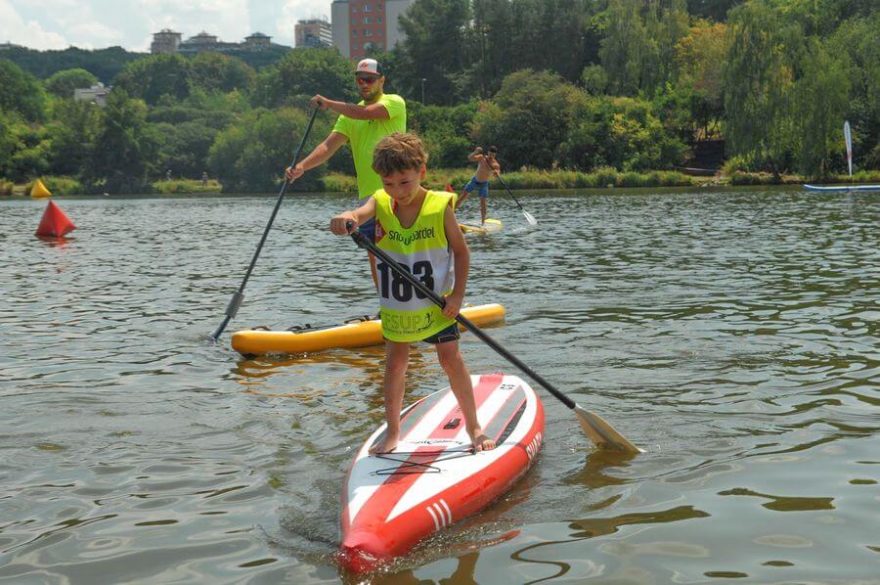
(487, 165)
(418, 229)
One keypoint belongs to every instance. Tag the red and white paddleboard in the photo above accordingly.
(434, 479)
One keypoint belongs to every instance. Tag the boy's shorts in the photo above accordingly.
(451, 333)
(475, 184)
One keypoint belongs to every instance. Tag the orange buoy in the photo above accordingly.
(55, 222)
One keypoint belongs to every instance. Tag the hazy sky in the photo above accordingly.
(97, 24)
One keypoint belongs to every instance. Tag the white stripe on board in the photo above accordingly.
(448, 511)
(433, 517)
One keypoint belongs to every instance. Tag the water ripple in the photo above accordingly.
(739, 348)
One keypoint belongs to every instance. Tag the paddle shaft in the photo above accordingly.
(509, 192)
(238, 297)
(363, 242)
(529, 217)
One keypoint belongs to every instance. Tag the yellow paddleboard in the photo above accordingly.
(360, 334)
(491, 226)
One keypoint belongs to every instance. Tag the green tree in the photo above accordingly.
(303, 73)
(20, 92)
(490, 52)
(445, 130)
(528, 118)
(545, 35)
(820, 104)
(714, 9)
(125, 146)
(104, 64)
(624, 46)
(153, 77)
(184, 147)
(697, 56)
(625, 133)
(214, 72)
(758, 79)
(638, 47)
(434, 49)
(24, 147)
(857, 41)
(74, 132)
(63, 83)
(250, 155)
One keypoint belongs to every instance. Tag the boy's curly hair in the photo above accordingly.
(399, 152)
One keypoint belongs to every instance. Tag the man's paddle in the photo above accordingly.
(599, 431)
(238, 297)
(529, 217)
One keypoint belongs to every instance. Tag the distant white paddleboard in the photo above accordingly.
(842, 187)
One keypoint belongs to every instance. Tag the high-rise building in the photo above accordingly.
(314, 32)
(361, 25)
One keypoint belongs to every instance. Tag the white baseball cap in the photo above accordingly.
(370, 66)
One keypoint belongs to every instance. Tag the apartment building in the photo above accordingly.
(361, 25)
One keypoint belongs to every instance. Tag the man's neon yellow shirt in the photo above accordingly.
(364, 135)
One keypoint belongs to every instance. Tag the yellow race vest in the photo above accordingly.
(423, 250)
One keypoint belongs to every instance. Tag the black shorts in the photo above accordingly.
(451, 333)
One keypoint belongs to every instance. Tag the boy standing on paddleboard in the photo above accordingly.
(418, 229)
(487, 165)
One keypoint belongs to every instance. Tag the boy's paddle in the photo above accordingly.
(238, 297)
(529, 217)
(596, 428)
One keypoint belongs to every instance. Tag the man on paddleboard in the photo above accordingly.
(418, 229)
(362, 125)
(487, 166)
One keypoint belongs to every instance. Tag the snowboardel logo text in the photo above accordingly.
(407, 239)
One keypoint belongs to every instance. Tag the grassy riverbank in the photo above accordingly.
(533, 179)
(524, 179)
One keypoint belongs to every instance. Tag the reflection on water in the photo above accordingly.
(740, 349)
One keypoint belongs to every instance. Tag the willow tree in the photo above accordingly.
(638, 48)
(758, 79)
(820, 104)
(857, 40)
(624, 46)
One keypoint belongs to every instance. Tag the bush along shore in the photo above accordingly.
(439, 179)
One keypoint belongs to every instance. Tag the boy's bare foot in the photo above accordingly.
(386, 445)
(482, 443)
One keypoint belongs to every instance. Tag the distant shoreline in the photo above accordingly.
(456, 178)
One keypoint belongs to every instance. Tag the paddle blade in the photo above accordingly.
(530, 218)
(602, 433)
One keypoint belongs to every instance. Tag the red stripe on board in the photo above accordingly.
(394, 487)
(482, 391)
(373, 540)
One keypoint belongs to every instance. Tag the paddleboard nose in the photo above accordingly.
(361, 552)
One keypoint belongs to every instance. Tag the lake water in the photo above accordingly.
(731, 334)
